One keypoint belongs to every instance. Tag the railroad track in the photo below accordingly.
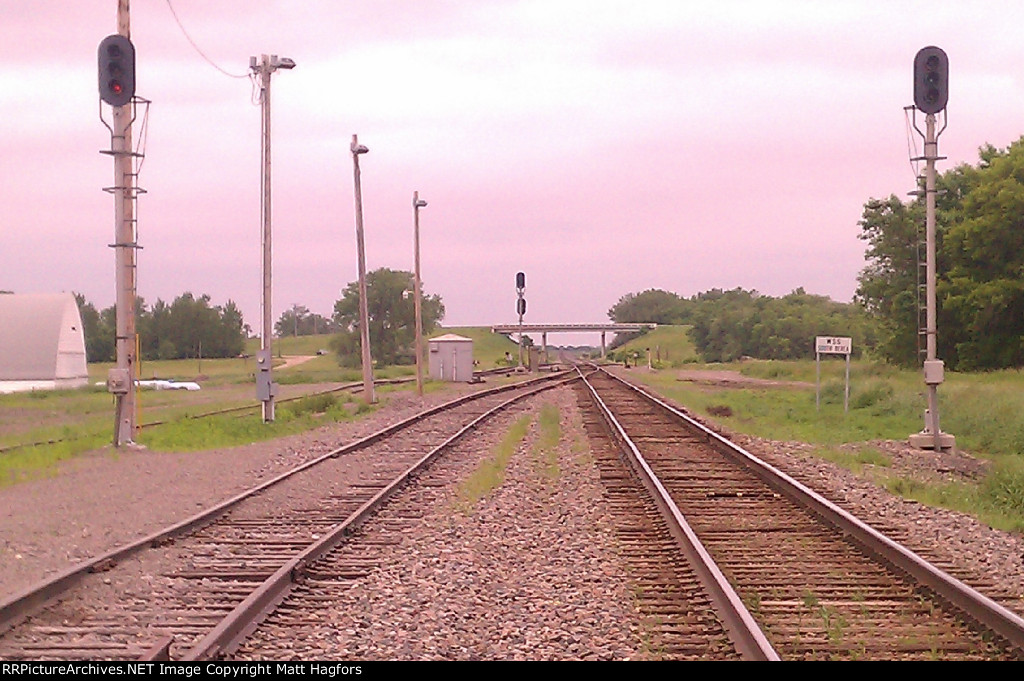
(818, 583)
(194, 590)
(351, 387)
(680, 620)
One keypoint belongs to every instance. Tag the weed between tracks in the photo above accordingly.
(490, 474)
(545, 449)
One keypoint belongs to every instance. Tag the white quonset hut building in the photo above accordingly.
(42, 345)
(451, 358)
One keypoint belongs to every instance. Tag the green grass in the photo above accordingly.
(857, 459)
(545, 450)
(292, 345)
(228, 430)
(490, 474)
(30, 462)
(85, 415)
(984, 411)
(488, 348)
(670, 346)
(997, 500)
(788, 414)
(82, 419)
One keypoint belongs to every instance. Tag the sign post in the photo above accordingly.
(832, 345)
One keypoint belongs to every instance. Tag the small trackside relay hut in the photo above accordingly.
(42, 346)
(451, 358)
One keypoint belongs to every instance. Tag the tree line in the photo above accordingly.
(979, 290)
(980, 265)
(728, 325)
(187, 328)
(192, 327)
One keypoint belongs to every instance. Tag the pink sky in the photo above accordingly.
(602, 148)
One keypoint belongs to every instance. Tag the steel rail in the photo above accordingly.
(354, 387)
(36, 596)
(969, 601)
(246, 616)
(743, 630)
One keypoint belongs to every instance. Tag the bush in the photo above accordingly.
(1003, 487)
(871, 394)
(314, 404)
(833, 392)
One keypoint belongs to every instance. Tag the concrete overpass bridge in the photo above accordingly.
(545, 329)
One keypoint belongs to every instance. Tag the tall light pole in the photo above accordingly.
(364, 315)
(418, 203)
(266, 389)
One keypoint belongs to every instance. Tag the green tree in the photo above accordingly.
(299, 321)
(728, 325)
(99, 339)
(189, 327)
(888, 284)
(652, 305)
(391, 312)
(983, 288)
(979, 265)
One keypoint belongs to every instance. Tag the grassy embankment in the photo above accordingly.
(82, 420)
(984, 411)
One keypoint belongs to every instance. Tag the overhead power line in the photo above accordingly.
(197, 48)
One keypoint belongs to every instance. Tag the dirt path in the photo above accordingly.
(734, 379)
(294, 360)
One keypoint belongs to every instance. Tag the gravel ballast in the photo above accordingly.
(102, 500)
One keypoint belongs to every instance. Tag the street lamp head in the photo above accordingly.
(356, 147)
(419, 203)
(285, 63)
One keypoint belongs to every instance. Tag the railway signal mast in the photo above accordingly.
(931, 92)
(116, 71)
(521, 309)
